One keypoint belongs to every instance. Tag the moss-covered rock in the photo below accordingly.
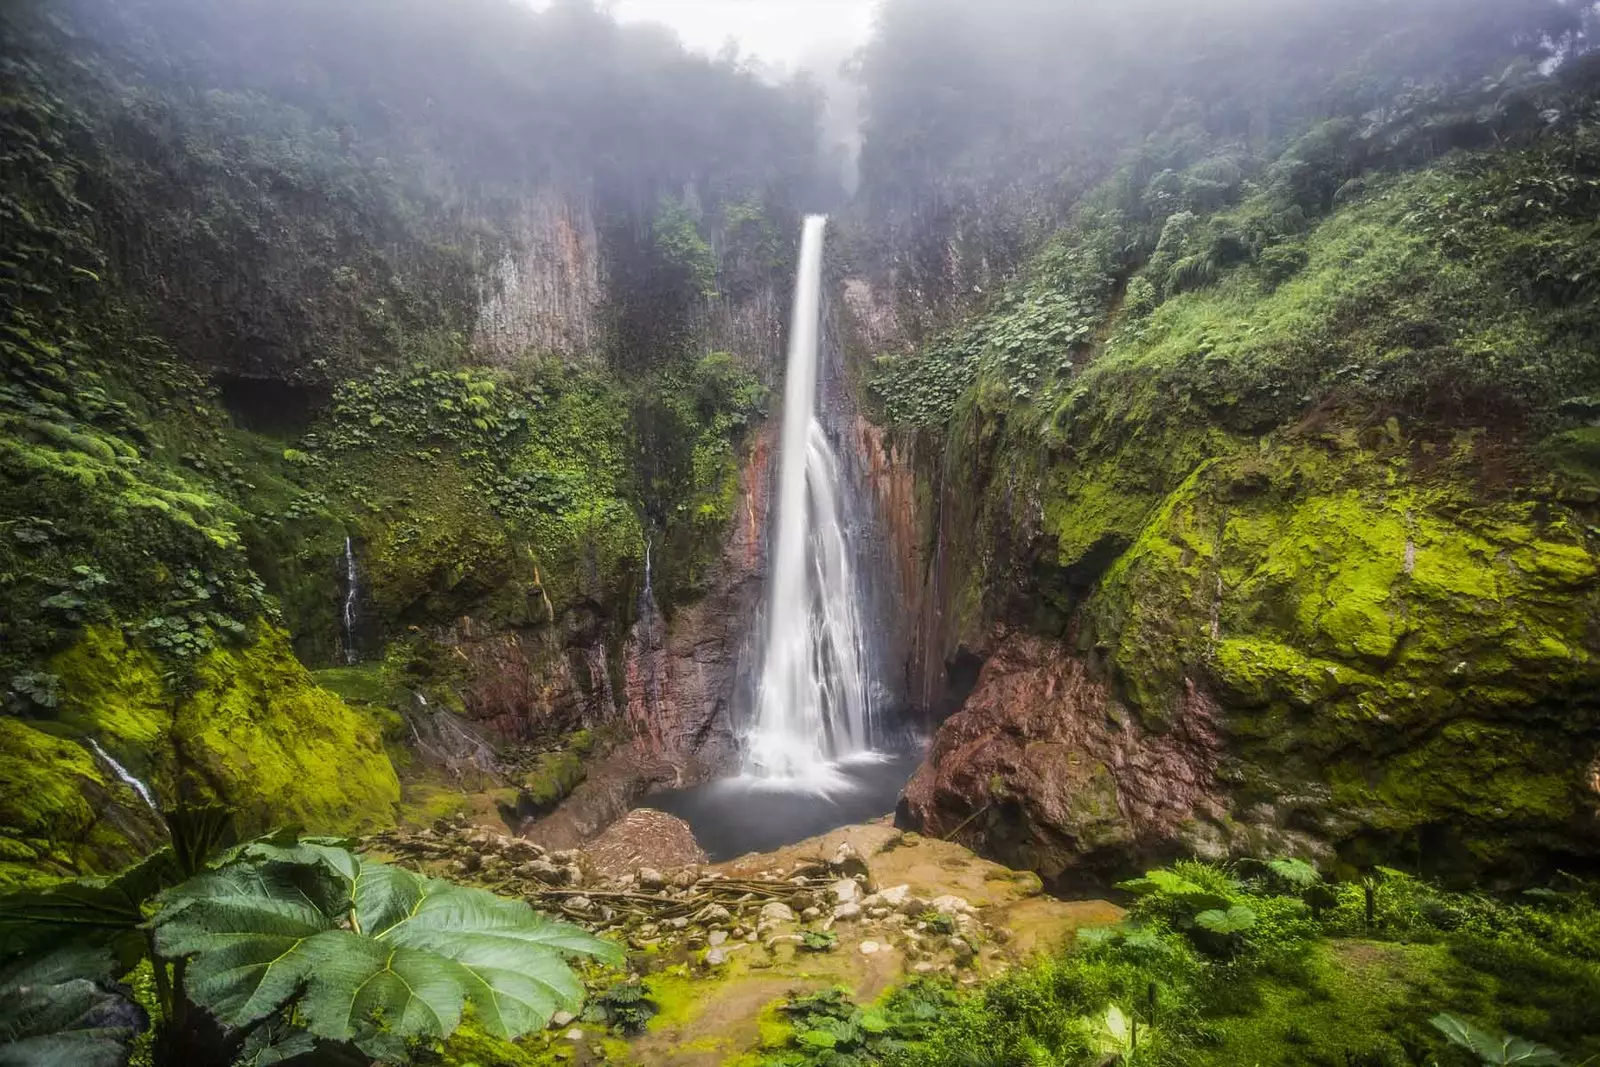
(249, 727)
(273, 745)
(1350, 504)
(59, 810)
(1418, 645)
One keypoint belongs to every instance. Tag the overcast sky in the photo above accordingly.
(785, 33)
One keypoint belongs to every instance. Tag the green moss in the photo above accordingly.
(52, 817)
(118, 695)
(554, 775)
(367, 683)
(272, 744)
(1354, 999)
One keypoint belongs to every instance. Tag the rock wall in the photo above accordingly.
(1050, 773)
(544, 293)
(683, 673)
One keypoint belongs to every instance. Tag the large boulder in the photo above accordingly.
(1047, 773)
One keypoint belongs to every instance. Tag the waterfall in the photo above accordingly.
(351, 588)
(126, 775)
(813, 705)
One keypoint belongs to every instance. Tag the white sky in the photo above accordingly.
(784, 33)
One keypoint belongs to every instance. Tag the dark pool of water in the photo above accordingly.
(733, 816)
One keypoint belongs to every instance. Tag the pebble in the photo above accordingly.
(580, 903)
(718, 937)
(679, 923)
(716, 913)
(650, 878)
(845, 890)
(925, 967)
(716, 957)
(811, 914)
(950, 905)
(544, 871)
(574, 1034)
(869, 947)
(893, 897)
(846, 912)
(560, 1019)
(777, 912)
(752, 937)
(960, 947)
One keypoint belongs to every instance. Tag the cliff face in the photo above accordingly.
(394, 368)
(1285, 516)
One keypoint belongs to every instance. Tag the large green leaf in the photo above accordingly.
(89, 911)
(62, 1010)
(381, 945)
(1235, 920)
(1493, 1051)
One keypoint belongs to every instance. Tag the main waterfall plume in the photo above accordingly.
(813, 701)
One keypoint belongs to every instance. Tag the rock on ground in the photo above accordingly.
(644, 838)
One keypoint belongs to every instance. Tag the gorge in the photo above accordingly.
(1150, 514)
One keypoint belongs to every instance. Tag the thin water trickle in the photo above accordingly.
(813, 703)
(126, 775)
(351, 588)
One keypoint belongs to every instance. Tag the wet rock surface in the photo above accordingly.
(1044, 771)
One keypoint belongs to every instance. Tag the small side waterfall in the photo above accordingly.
(126, 775)
(813, 701)
(352, 589)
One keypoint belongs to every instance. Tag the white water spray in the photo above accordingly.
(813, 705)
(350, 589)
(126, 775)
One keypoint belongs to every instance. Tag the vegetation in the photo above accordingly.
(1263, 962)
(1274, 415)
(277, 948)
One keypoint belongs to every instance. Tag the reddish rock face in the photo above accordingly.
(1043, 770)
(681, 673)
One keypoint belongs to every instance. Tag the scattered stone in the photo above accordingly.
(963, 951)
(951, 905)
(579, 903)
(716, 957)
(869, 947)
(847, 912)
(717, 937)
(574, 1034)
(876, 913)
(752, 937)
(893, 897)
(925, 967)
(574, 874)
(845, 890)
(716, 913)
(777, 912)
(560, 1019)
(811, 914)
(651, 879)
(678, 923)
(544, 871)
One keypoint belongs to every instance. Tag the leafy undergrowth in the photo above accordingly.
(276, 949)
(1256, 964)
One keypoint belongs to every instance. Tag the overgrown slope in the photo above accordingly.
(1310, 431)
